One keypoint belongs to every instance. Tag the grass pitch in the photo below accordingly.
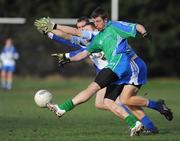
(22, 120)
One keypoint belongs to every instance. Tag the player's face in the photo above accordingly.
(8, 43)
(81, 24)
(99, 23)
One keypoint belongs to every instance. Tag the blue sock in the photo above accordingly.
(148, 123)
(153, 105)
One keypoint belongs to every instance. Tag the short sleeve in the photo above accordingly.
(124, 29)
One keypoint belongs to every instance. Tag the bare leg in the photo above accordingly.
(128, 97)
(128, 92)
(116, 109)
(9, 80)
(86, 94)
(3, 79)
(99, 102)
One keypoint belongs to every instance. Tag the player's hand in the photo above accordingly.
(62, 59)
(49, 25)
(147, 35)
(41, 26)
(45, 25)
(42, 31)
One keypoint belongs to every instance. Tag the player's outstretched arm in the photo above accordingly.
(80, 56)
(69, 30)
(62, 34)
(65, 58)
(47, 25)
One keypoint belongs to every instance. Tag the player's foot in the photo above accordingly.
(164, 110)
(149, 132)
(54, 108)
(136, 130)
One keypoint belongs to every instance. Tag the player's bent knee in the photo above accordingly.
(100, 106)
(125, 101)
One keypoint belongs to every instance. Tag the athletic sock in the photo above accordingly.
(67, 105)
(130, 120)
(153, 105)
(148, 123)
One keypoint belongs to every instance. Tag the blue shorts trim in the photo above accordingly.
(8, 68)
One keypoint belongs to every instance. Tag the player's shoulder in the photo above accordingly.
(119, 23)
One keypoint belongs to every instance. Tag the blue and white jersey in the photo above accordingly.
(80, 43)
(97, 58)
(8, 56)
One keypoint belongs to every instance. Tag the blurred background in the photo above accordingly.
(161, 18)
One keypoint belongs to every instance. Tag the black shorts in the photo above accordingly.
(114, 90)
(105, 77)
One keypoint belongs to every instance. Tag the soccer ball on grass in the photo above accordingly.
(42, 97)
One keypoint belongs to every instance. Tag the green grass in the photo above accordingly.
(22, 120)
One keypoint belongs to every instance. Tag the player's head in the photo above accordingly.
(81, 22)
(89, 26)
(8, 42)
(100, 18)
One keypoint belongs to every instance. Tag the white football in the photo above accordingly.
(42, 97)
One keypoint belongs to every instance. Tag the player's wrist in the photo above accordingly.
(67, 55)
(55, 26)
(147, 35)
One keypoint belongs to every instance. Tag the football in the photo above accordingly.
(42, 97)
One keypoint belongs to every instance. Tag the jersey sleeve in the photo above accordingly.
(74, 53)
(124, 29)
(65, 42)
(78, 40)
(94, 46)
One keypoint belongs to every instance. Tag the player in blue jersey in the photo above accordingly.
(8, 56)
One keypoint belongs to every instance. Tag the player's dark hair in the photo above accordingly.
(90, 23)
(100, 12)
(86, 19)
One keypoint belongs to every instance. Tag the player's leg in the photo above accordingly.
(103, 79)
(3, 79)
(9, 80)
(138, 76)
(10, 73)
(99, 101)
(133, 100)
(112, 92)
(131, 90)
